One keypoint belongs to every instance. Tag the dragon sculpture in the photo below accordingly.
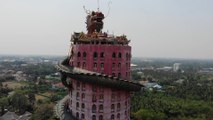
(94, 22)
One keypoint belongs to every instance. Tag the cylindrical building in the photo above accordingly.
(97, 74)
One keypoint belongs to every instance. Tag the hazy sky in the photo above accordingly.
(157, 28)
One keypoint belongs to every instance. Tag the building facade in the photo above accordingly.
(97, 74)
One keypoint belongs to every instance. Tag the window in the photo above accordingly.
(119, 66)
(113, 55)
(119, 55)
(119, 96)
(93, 117)
(127, 56)
(78, 64)
(93, 98)
(118, 116)
(79, 54)
(94, 88)
(101, 89)
(102, 55)
(84, 55)
(82, 116)
(113, 96)
(113, 66)
(84, 64)
(95, 55)
(101, 108)
(78, 85)
(82, 96)
(119, 75)
(118, 106)
(93, 108)
(82, 105)
(112, 117)
(83, 87)
(77, 95)
(95, 66)
(101, 97)
(77, 105)
(113, 74)
(126, 65)
(102, 66)
(101, 117)
(77, 115)
(112, 107)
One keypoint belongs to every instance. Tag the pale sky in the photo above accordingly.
(157, 28)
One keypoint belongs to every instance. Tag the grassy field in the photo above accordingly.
(14, 84)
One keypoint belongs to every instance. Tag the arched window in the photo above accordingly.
(79, 64)
(101, 117)
(93, 108)
(102, 55)
(127, 56)
(95, 55)
(113, 55)
(79, 54)
(78, 85)
(119, 55)
(77, 105)
(113, 66)
(95, 65)
(84, 55)
(93, 117)
(118, 116)
(84, 64)
(119, 66)
(113, 74)
(94, 88)
(82, 105)
(119, 75)
(101, 108)
(83, 87)
(112, 117)
(113, 96)
(102, 66)
(82, 96)
(118, 106)
(77, 95)
(112, 107)
(101, 97)
(82, 116)
(77, 115)
(93, 98)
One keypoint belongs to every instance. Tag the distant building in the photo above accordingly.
(176, 67)
(13, 116)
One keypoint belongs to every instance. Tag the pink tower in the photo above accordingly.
(97, 74)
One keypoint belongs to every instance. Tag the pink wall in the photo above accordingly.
(120, 97)
(108, 60)
(110, 96)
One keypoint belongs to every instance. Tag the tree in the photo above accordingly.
(3, 103)
(19, 102)
(43, 112)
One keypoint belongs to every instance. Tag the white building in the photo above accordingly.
(176, 67)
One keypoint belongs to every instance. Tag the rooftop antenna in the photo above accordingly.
(86, 11)
(98, 4)
(110, 2)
